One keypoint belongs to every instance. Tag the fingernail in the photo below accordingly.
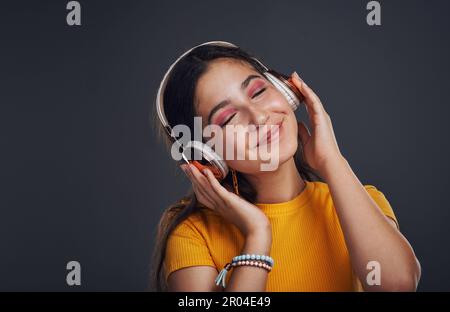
(298, 77)
(187, 168)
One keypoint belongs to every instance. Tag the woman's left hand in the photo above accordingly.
(319, 147)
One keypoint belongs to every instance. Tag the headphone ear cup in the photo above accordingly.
(286, 87)
(210, 159)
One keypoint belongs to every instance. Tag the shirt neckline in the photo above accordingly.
(287, 207)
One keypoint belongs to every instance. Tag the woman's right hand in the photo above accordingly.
(249, 219)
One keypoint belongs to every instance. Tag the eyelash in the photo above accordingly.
(254, 95)
(228, 120)
(258, 93)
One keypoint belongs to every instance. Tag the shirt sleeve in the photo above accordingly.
(382, 202)
(186, 247)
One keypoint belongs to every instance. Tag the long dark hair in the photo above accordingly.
(179, 109)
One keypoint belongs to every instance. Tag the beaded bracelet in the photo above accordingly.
(261, 261)
(264, 258)
(253, 263)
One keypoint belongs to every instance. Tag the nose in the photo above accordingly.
(258, 116)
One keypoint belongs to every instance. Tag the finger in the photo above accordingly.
(303, 133)
(204, 184)
(213, 192)
(199, 177)
(311, 99)
(202, 198)
(200, 191)
(183, 167)
(217, 187)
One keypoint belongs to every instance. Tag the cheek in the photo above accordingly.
(292, 124)
(289, 143)
(235, 144)
(237, 155)
(277, 101)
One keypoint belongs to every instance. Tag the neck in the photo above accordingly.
(277, 186)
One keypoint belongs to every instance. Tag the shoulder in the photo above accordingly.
(187, 246)
(320, 192)
(197, 223)
(373, 190)
(322, 188)
(323, 196)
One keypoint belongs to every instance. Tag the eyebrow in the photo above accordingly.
(224, 103)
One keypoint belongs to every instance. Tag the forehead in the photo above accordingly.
(220, 81)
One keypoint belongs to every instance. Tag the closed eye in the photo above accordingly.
(228, 120)
(258, 93)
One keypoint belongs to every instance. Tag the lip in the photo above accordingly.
(272, 135)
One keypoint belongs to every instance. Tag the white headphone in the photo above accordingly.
(213, 160)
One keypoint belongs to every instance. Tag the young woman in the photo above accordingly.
(324, 230)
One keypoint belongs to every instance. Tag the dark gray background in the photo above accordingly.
(83, 177)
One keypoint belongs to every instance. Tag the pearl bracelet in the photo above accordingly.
(264, 258)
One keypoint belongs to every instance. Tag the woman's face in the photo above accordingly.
(232, 93)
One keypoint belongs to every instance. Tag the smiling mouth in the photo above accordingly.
(272, 134)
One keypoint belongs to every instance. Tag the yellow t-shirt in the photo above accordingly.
(308, 245)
